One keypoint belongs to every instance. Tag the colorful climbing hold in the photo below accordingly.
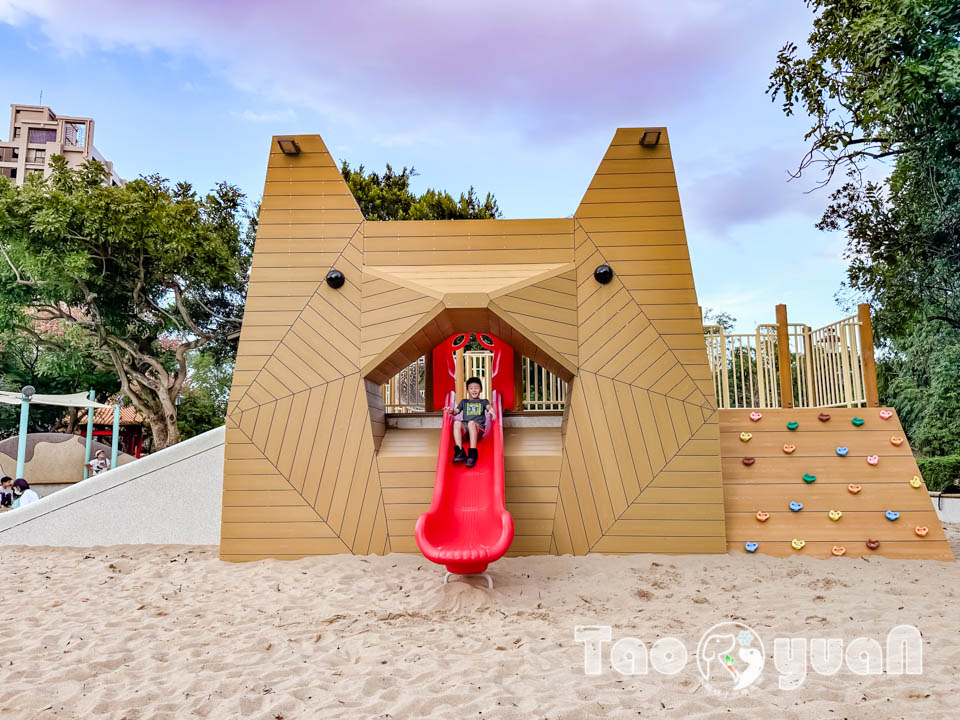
(873, 459)
(838, 550)
(896, 441)
(796, 506)
(857, 421)
(915, 481)
(755, 416)
(886, 414)
(891, 515)
(842, 451)
(834, 515)
(793, 425)
(751, 546)
(853, 488)
(873, 544)
(920, 530)
(808, 478)
(788, 449)
(748, 461)
(762, 516)
(823, 417)
(745, 436)
(797, 544)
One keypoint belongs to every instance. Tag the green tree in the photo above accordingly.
(203, 402)
(881, 85)
(146, 273)
(51, 369)
(389, 197)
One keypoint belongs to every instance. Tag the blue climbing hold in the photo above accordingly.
(892, 515)
(842, 451)
(751, 546)
(796, 507)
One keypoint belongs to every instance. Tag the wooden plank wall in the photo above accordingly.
(300, 476)
(775, 479)
(631, 215)
(641, 465)
(310, 465)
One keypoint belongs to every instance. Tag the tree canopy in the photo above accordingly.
(145, 273)
(389, 197)
(881, 85)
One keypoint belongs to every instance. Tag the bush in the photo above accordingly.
(938, 472)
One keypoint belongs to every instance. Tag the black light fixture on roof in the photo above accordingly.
(335, 279)
(288, 146)
(650, 137)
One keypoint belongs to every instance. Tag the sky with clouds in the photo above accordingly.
(519, 99)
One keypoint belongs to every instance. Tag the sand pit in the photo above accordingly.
(172, 632)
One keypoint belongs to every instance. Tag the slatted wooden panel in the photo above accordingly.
(631, 214)
(301, 431)
(776, 479)
(292, 253)
(408, 463)
(549, 309)
(641, 466)
(470, 243)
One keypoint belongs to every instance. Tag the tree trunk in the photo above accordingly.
(163, 428)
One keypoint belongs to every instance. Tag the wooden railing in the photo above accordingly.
(405, 392)
(541, 389)
(831, 366)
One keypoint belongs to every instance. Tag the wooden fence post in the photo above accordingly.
(428, 382)
(866, 355)
(783, 352)
(517, 381)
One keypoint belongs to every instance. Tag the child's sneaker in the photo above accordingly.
(472, 457)
(458, 454)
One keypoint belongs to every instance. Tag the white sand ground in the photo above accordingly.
(171, 632)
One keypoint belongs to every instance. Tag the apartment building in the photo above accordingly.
(37, 133)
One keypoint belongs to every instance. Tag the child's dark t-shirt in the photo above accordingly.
(475, 410)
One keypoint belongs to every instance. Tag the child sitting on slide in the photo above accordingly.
(473, 411)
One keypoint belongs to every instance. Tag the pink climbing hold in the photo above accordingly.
(873, 459)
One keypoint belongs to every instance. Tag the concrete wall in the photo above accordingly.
(947, 507)
(171, 497)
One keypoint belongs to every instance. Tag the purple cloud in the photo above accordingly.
(555, 67)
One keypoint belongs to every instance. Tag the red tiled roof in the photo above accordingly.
(104, 416)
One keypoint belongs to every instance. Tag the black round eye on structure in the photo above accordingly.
(335, 279)
(603, 274)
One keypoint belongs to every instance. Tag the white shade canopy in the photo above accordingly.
(75, 400)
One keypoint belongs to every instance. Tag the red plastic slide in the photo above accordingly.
(467, 526)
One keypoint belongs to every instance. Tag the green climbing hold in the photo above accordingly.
(808, 478)
(793, 425)
(857, 421)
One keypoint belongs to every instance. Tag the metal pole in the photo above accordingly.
(86, 470)
(27, 393)
(116, 436)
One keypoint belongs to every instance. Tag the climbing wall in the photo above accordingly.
(852, 472)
